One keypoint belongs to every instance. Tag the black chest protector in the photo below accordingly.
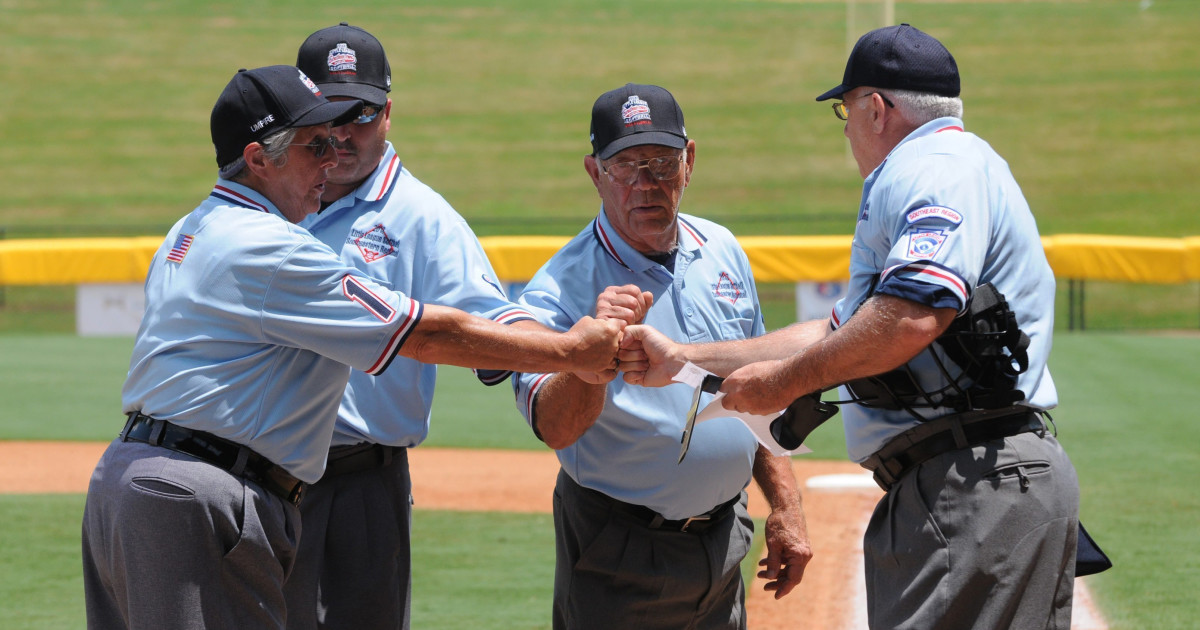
(987, 350)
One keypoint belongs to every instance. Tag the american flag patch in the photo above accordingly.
(180, 248)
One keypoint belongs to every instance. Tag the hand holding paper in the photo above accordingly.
(760, 425)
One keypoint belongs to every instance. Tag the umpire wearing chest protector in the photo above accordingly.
(941, 344)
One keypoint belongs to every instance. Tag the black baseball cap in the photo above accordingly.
(347, 61)
(634, 115)
(901, 58)
(257, 103)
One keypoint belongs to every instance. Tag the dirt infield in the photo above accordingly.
(522, 481)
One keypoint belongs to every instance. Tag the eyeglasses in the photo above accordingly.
(369, 112)
(664, 169)
(839, 108)
(318, 146)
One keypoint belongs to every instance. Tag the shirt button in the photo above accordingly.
(689, 311)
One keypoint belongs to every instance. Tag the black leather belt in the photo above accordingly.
(693, 525)
(229, 456)
(344, 460)
(930, 439)
(653, 520)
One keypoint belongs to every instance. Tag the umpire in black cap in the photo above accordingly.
(979, 525)
(251, 329)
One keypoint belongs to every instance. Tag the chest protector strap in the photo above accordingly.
(988, 351)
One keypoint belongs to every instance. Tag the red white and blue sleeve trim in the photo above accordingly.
(514, 314)
(925, 282)
(415, 310)
(531, 396)
(508, 316)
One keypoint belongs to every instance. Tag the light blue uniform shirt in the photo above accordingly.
(405, 236)
(630, 453)
(941, 215)
(249, 329)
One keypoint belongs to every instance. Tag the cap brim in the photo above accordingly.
(836, 92)
(662, 138)
(335, 113)
(366, 93)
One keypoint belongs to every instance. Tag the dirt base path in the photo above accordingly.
(523, 481)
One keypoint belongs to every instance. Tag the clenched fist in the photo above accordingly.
(593, 344)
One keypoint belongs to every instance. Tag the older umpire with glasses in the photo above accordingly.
(250, 329)
(941, 348)
(645, 539)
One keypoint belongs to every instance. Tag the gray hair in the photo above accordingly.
(275, 147)
(919, 108)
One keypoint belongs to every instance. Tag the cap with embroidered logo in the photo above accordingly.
(257, 103)
(901, 58)
(346, 60)
(634, 115)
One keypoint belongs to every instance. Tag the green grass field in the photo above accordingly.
(1127, 418)
(1092, 103)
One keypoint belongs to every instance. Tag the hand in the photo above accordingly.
(788, 551)
(758, 388)
(627, 303)
(593, 345)
(649, 358)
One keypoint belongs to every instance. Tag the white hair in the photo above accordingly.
(919, 108)
(275, 147)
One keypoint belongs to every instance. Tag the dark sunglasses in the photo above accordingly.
(318, 146)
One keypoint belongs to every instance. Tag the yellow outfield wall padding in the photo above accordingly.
(76, 260)
(1118, 258)
(1191, 246)
(517, 258)
(798, 258)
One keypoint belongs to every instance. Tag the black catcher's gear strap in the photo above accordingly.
(988, 350)
(801, 418)
(986, 345)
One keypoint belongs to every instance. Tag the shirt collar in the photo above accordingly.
(235, 194)
(937, 125)
(690, 239)
(381, 181)
(376, 186)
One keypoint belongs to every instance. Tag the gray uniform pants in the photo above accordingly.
(354, 566)
(977, 538)
(612, 571)
(170, 541)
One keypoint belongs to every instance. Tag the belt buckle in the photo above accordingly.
(292, 488)
(297, 494)
(698, 519)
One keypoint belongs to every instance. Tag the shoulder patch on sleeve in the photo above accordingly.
(924, 244)
(934, 212)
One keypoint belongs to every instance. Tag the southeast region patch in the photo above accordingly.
(934, 212)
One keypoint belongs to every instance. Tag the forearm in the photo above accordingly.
(723, 357)
(450, 336)
(883, 335)
(777, 480)
(565, 408)
(786, 531)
